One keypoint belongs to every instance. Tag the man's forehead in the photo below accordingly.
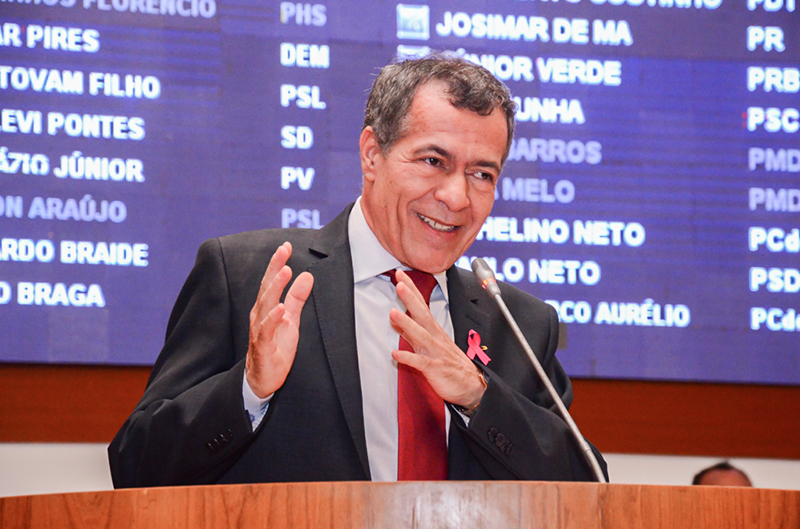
(434, 89)
(419, 115)
(415, 114)
(433, 92)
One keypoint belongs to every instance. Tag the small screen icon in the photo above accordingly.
(413, 22)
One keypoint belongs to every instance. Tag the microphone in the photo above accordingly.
(486, 277)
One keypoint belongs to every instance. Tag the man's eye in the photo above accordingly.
(436, 162)
(483, 175)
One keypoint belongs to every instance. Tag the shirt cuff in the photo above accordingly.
(464, 418)
(255, 406)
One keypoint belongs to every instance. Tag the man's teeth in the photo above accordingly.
(435, 225)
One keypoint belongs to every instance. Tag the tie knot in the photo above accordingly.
(424, 282)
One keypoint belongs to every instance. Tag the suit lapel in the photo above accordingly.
(466, 310)
(334, 303)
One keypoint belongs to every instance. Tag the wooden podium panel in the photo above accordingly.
(459, 505)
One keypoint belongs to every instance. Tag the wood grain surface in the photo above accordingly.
(459, 505)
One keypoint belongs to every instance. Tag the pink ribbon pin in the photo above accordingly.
(475, 349)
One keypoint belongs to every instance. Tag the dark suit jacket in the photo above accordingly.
(190, 427)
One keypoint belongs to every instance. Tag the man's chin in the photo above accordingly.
(432, 264)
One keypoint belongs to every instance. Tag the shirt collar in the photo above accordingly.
(370, 259)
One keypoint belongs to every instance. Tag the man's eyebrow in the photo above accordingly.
(488, 165)
(444, 153)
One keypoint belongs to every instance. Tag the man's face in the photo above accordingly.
(428, 197)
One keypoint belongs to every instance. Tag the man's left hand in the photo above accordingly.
(450, 373)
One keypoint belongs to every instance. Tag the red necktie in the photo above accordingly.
(422, 444)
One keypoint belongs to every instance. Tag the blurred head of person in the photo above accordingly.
(722, 475)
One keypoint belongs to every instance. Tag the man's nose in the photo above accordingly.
(453, 190)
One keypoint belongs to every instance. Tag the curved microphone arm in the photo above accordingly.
(486, 277)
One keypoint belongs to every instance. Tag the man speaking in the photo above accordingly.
(359, 351)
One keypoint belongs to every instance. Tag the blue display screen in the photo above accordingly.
(652, 192)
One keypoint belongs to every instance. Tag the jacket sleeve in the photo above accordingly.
(517, 432)
(191, 422)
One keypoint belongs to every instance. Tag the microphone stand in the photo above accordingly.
(487, 279)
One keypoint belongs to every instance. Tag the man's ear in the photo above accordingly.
(370, 153)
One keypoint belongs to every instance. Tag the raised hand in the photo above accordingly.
(275, 326)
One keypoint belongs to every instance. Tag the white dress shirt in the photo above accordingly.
(375, 340)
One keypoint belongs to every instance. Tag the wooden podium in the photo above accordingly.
(415, 504)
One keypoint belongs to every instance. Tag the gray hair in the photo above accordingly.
(469, 86)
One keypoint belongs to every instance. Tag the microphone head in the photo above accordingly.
(485, 276)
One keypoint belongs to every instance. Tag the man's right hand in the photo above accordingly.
(275, 326)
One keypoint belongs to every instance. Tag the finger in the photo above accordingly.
(297, 295)
(418, 309)
(271, 295)
(276, 263)
(269, 292)
(262, 333)
(404, 279)
(414, 333)
(418, 362)
(264, 330)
